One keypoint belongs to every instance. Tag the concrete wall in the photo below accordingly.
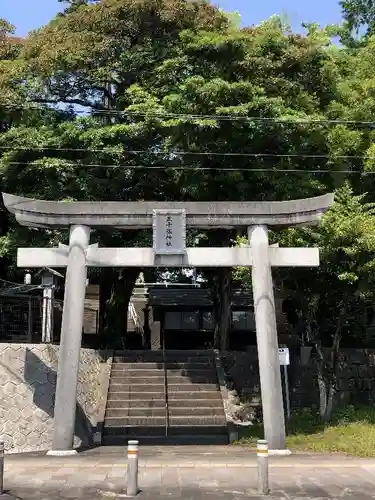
(27, 390)
(355, 377)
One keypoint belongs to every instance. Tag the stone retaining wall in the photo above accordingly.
(355, 377)
(27, 391)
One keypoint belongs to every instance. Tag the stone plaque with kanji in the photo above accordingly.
(169, 232)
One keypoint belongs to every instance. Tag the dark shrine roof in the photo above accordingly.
(192, 297)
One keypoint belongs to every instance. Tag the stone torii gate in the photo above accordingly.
(169, 221)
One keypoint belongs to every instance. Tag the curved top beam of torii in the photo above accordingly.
(137, 215)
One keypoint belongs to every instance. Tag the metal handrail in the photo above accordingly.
(134, 316)
(165, 392)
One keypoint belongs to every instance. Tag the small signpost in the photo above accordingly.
(284, 359)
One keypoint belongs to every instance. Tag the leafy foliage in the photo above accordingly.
(346, 275)
(173, 100)
(359, 16)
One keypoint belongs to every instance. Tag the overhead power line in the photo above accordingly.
(197, 168)
(186, 153)
(209, 116)
(220, 117)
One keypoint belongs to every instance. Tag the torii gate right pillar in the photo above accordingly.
(267, 342)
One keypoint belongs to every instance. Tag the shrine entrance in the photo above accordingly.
(168, 221)
(186, 338)
(185, 314)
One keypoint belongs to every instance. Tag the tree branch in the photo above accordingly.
(78, 102)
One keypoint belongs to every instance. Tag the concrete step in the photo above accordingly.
(197, 420)
(153, 365)
(157, 355)
(141, 365)
(195, 403)
(149, 371)
(187, 404)
(189, 361)
(160, 430)
(189, 386)
(184, 421)
(128, 422)
(196, 395)
(180, 395)
(185, 372)
(144, 357)
(132, 388)
(137, 379)
(151, 430)
(202, 411)
(135, 422)
(122, 372)
(190, 365)
(182, 352)
(152, 358)
(196, 379)
(131, 403)
(123, 378)
(193, 440)
(135, 412)
(134, 395)
(203, 430)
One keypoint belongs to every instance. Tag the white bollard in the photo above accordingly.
(132, 485)
(262, 458)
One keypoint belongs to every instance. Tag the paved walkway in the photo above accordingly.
(222, 473)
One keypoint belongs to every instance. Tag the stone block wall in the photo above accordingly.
(27, 390)
(242, 371)
(355, 377)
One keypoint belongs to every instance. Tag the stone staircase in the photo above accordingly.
(171, 398)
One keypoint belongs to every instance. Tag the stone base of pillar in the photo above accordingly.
(62, 453)
(279, 453)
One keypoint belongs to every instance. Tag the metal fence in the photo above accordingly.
(21, 318)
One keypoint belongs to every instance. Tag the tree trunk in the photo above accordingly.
(332, 382)
(221, 293)
(225, 309)
(221, 297)
(321, 382)
(107, 278)
(327, 371)
(117, 306)
(215, 294)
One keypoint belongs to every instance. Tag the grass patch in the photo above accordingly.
(351, 431)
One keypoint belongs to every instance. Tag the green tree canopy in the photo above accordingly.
(359, 17)
(173, 100)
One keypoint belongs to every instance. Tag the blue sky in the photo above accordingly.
(27, 15)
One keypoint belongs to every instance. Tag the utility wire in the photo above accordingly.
(6, 282)
(196, 168)
(191, 153)
(218, 117)
(10, 285)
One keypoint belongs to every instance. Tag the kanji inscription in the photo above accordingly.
(169, 231)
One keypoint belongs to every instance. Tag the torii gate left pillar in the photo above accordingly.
(169, 226)
(70, 342)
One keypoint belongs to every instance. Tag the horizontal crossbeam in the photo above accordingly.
(139, 214)
(145, 257)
